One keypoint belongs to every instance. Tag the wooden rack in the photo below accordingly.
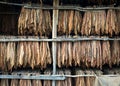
(54, 39)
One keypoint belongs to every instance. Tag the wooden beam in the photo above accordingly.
(54, 35)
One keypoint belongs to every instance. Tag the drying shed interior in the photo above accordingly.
(59, 42)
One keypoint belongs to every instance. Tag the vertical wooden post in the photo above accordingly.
(54, 35)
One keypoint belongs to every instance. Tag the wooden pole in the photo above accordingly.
(54, 35)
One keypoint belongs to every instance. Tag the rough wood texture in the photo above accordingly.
(8, 24)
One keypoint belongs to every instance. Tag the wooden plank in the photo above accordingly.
(38, 77)
(57, 39)
(37, 6)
